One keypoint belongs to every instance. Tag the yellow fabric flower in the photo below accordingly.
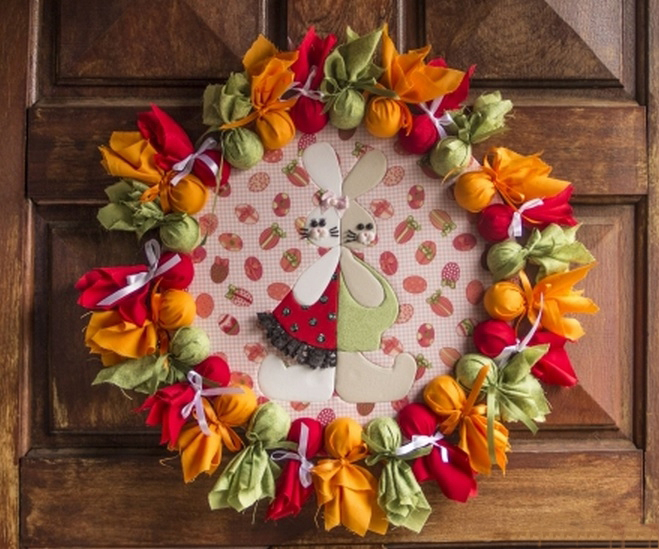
(554, 295)
(271, 78)
(115, 339)
(201, 453)
(515, 177)
(348, 492)
(412, 81)
(444, 396)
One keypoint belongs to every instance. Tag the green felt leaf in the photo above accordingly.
(350, 66)
(555, 248)
(519, 366)
(143, 375)
(489, 116)
(251, 475)
(399, 493)
(228, 102)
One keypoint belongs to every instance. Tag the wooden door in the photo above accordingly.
(81, 469)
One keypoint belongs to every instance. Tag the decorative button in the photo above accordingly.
(294, 327)
(323, 299)
(313, 321)
(286, 311)
(331, 316)
(320, 338)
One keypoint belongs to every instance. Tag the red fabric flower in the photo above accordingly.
(554, 368)
(99, 284)
(447, 464)
(165, 405)
(307, 113)
(291, 495)
(423, 135)
(554, 209)
(173, 145)
(493, 336)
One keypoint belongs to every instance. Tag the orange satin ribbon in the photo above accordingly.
(348, 492)
(413, 82)
(517, 178)
(202, 453)
(554, 294)
(115, 339)
(446, 398)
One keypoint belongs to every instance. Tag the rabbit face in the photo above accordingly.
(357, 227)
(321, 228)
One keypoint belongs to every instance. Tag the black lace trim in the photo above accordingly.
(302, 353)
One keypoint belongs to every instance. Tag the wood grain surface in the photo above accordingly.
(584, 80)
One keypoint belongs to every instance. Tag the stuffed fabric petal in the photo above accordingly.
(201, 453)
(130, 155)
(251, 475)
(453, 475)
(166, 405)
(347, 492)
(109, 335)
(399, 493)
(444, 396)
(98, 284)
(554, 368)
(290, 494)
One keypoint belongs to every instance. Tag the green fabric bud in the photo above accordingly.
(227, 103)
(506, 259)
(399, 493)
(450, 155)
(242, 148)
(250, 476)
(189, 346)
(180, 233)
(469, 366)
(347, 109)
(488, 116)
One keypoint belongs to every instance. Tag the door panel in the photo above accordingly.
(575, 73)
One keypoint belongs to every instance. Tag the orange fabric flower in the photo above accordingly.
(130, 155)
(271, 77)
(201, 453)
(554, 295)
(115, 339)
(515, 177)
(412, 81)
(446, 398)
(348, 492)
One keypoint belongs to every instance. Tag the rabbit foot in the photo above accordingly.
(360, 380)
(295, 382)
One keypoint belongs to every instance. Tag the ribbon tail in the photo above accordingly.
(515, 412)
(491, 401)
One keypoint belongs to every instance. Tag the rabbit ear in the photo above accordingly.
(366, 174)
(322, 165)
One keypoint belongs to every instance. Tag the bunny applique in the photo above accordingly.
(340, 306)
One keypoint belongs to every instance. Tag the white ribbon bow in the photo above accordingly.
(184, 167)
(305, 89)
(519, 346)
(421, 441)
(304, 473)
(138, 280)
(515, 227)
(329, 199)
(438, 122)
(197, 404)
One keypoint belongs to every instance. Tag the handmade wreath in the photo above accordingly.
(313, 343)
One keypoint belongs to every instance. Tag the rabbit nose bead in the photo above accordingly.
(319, 232)
(366, 237)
